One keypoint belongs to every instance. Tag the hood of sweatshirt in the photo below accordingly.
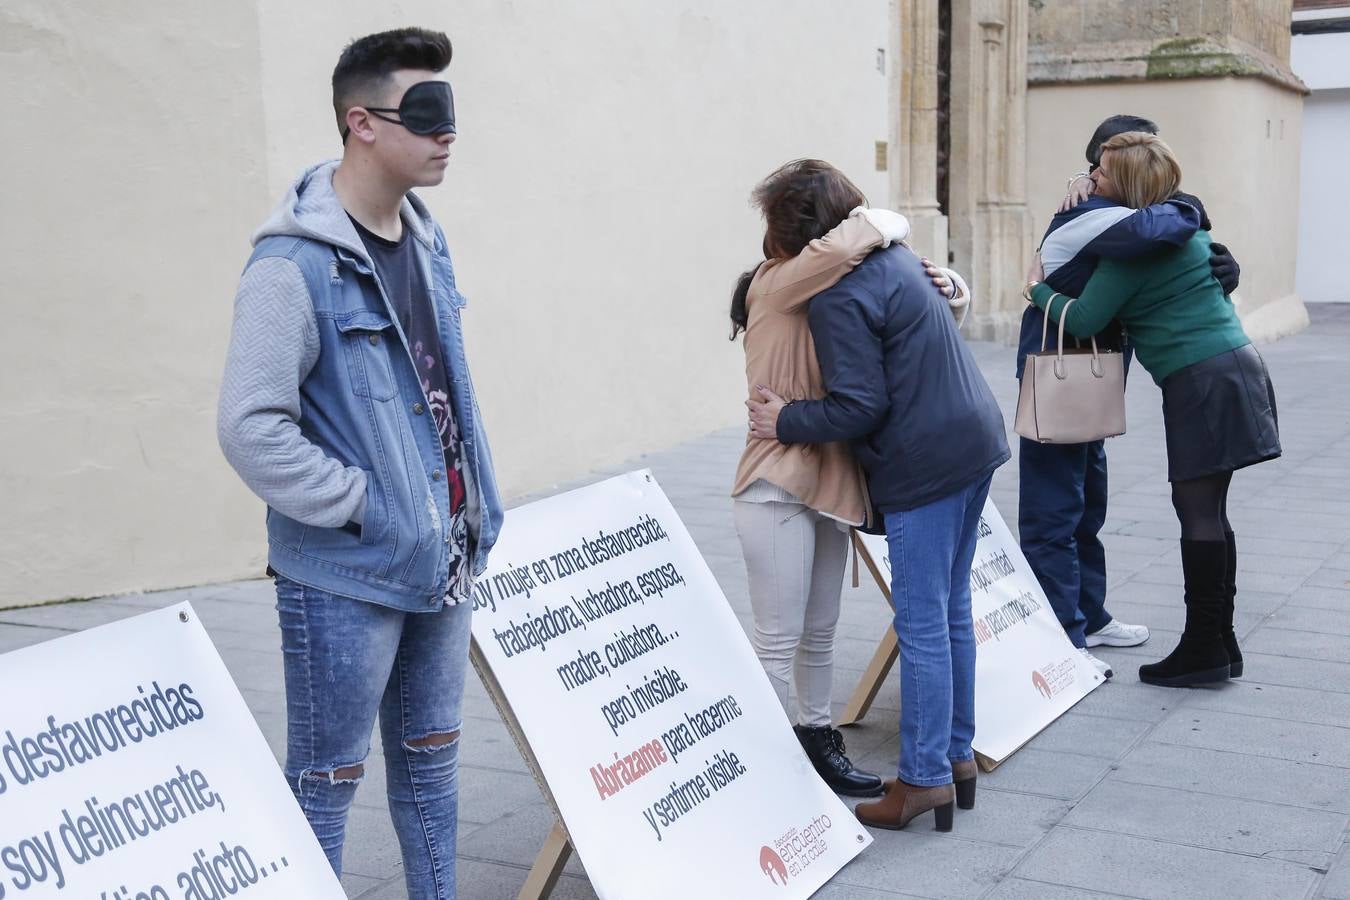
(311, 209)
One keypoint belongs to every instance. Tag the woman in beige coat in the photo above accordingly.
(795, 503)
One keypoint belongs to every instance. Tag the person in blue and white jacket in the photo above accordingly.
(1063, 487)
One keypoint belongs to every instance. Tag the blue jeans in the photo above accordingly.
(931, 550)
(1061, 508)
(345, 660)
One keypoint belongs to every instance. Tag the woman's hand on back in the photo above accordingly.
(1037, 271)
(939, 277)
(764, 414)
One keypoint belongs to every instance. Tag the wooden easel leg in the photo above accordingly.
(888, 651)
(548, 865)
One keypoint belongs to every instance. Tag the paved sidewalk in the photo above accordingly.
(1241, 790)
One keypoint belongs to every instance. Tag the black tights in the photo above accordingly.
(1202, 507)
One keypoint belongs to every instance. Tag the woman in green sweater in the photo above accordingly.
(1218, 404)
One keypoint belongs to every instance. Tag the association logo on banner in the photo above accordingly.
(795, 849)
(1054, 678)
(1042, 686)
(772, 865)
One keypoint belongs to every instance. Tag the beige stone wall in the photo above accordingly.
(596, 205)
(1238, 141)
(1091, 40)
(132, 169)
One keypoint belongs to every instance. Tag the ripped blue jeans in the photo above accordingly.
(345, 660)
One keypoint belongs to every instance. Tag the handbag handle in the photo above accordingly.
(1061, 370)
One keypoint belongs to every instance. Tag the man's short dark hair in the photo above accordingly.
(364, 68)
(1112, 127)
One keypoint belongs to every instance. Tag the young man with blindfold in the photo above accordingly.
(348, 408)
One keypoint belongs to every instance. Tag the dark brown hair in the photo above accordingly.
(365, 66)
(801, 201)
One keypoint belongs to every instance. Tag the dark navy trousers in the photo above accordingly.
(1061, 509)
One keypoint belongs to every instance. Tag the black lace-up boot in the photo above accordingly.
(824, 746)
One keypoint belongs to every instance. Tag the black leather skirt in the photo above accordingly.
(1220, 415)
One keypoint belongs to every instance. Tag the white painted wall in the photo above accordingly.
(597, 207)
(1238, 140)
(1323, 62)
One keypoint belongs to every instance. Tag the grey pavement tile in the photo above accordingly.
(234, 616)
(1142, 528)
(1331, 578)
(1320, 598)
(1177, 816)
(1276, 499)
(1125, 543)
(922, 862)
(273, 728)
(371, 848)
(1087, 735)
(76, 616)
(358, 885)
(1048, 773)
(1336, 886)
(1307, 618)
(1277, 641)
(1124, 698)
(1116, 863)
(1277, 738)
(16, 637)
(255, 669)
(1288, 526)
(1332, 525)
(514, 839)
(487, 743)
(1120, 564)
(1236, 774)
(483, 880)
(1276, 702)
(1024, 889)
(1008, 818)
(833, 891)
(486, 795)
(1296, 672)
(226, 638)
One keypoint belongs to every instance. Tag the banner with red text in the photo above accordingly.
(130, 769)
(673, 766)
(1027, 672)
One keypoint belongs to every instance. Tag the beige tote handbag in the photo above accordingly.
(1071, 397)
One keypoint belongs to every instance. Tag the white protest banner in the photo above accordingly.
(1027, 672)
(130, 769)
(636, 690)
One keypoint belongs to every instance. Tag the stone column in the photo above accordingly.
(913, 160)
(991, 238)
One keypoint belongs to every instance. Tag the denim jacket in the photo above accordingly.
(323, 415)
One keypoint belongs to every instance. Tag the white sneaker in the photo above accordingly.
(1117, 634)
(1097, 664)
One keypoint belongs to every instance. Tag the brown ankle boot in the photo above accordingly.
(963, 778)
(902, 803)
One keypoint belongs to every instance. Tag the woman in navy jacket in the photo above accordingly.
(903, 388)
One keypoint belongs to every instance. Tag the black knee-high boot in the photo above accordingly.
(1229, 594)
(1200, 657)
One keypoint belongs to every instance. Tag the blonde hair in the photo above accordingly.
(1143, 167)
